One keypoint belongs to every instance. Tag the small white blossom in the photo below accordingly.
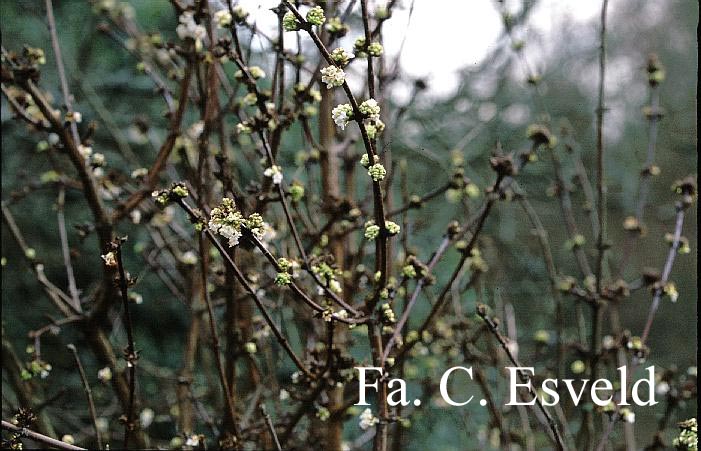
(193, 440)
(222, 18)
(240, 13)
(105, 374)
(284, 394)
(188, 258)
(256, 72)
(377, 172)
(341, 114)
(662, 388)
(333, 76)
(627, 415)
(135, 216)
(322, 413)
(367, 419)
(196, 129)
(109, 259)
(341, 314)
(370, 108)
(84, 151)
(275, 173)
(227, 221)
(372, 230)
(74, 116)
(139, 173)
(146, 417)
(188, 28)
(98, 159)
(335, 286)
(341, 56)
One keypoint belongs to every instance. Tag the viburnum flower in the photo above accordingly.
(275, 173)
(359, 46)
(365, 160)
(282, 279)
(322, 413)
(627, 415)
(256, 72)
(315, 16)
(375, 49)
(227, 221)
(289, 22)
(335, 286)
(240, 13)
(333, 76)
(377, 172)
(392, 228)
(367, 419)
(335, 26)
(372, 230)
(342, 114)
(370, 109)
(340, 56)
(193, 440)
(105, 374)
(84, 151)
(373, 127)
(296, 192)
(222, 18)
(188, 28)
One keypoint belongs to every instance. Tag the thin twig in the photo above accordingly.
(271, 427)
(494, 329)
(72, 289)
(88, 394)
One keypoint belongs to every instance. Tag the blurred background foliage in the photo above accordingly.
(493, 103)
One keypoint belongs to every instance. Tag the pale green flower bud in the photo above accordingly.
(315, 16)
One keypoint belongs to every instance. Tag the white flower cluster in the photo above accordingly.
(370, 109)
(227, 221)
(342, 114)
(367, 419)
(377, 172)
(340, 56)
(223, 18)
(328, 277)
(333, 76)
(188, 28)
(275, 173)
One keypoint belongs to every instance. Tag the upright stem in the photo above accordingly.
(130, 352)
(229, 402)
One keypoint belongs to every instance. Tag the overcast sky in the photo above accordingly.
(446, 35)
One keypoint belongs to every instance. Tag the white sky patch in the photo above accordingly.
(445, 36)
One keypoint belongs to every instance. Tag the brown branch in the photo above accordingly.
(130, 351)
(41, 438)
